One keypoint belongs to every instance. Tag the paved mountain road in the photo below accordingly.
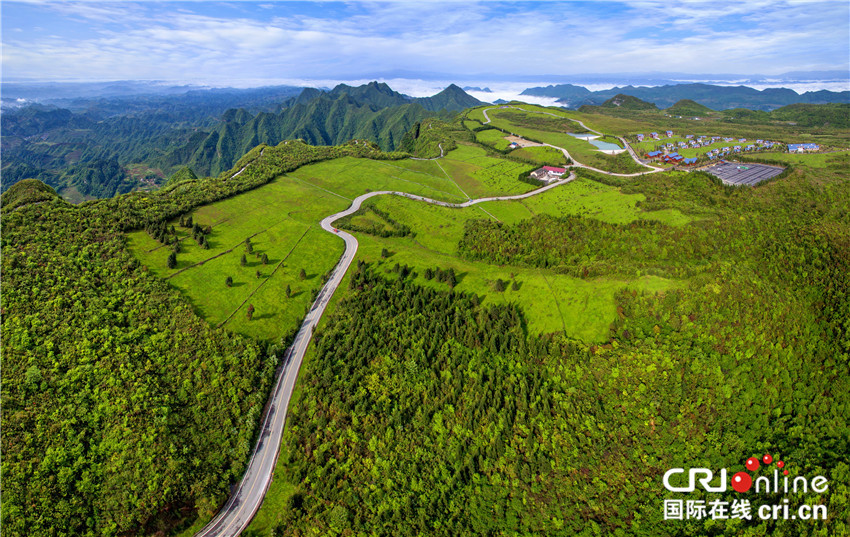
(237, 513)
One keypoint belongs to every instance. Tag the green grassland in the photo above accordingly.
(281, 219)
(469, 124)
(839, 159)
(492, 137)
(541, 155)
(480, 174)
(543, 128)
(553, 302)
(350, 177)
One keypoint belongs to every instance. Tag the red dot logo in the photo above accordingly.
(742, 481)
(767, 458)
(752, 464)
(780, 464)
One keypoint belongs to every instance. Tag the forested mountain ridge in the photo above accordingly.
(102, 156)
(372, 112)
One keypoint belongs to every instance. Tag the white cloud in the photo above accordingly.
(127, 40)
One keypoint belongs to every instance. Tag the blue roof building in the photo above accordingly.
(801, 148)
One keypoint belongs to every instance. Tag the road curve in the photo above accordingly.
(652, 169)
(246, 499)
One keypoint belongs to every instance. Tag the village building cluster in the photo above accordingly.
(669, 152)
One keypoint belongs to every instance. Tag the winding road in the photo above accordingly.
(246, 499)
(248, 495)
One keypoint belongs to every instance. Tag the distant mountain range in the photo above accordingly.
(714, 97)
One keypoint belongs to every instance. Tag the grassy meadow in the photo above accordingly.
(281, 219)
(552, 302)
(541, 155)
(493, 137)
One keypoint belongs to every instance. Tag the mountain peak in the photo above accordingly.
(628, 102)
(452, 98)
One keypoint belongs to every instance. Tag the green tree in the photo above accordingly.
(288, 291)
(229, 281)
(385, 253)
(265, 259)
(172, 260)
(248, 246)
(302, 275)
(244, 260)
(250, 312)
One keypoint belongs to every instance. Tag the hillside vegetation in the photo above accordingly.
(528, 367)
(427, 411)
(124, 412)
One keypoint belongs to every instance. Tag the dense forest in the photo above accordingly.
(123, 411)
(431, 413)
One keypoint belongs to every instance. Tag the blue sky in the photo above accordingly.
(246, 43)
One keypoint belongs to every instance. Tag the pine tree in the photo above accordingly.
(302, 275)
(229, 281)
(244, 260)
(265, 259)
(288, 291)
(172, 260)
(248, 246)
(259, 275)
(385, 253)
(250, 312)
(515, 286)
(451, 279)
